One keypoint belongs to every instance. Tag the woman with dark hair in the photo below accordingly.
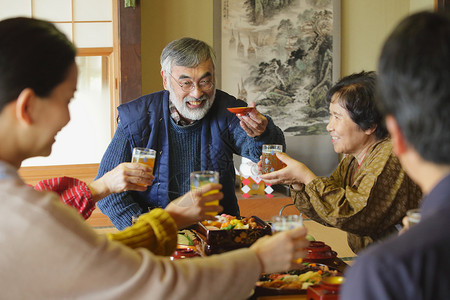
(369, 193)
(48, 251)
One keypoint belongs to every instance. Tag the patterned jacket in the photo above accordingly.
(367, 201)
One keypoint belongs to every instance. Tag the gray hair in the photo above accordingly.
(185, 52)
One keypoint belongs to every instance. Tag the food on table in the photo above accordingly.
(227, 233)
(226, 222)
(187, 237)
(184, 240)
(300, 279)
(310, 238)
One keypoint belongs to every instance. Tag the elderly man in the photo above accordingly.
(189, 126)
(414, 76)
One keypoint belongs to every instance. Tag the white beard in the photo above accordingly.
(191, 113)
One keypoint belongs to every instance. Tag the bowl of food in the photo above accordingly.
(240, 111)
(229, 232)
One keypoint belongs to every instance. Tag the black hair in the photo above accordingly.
(414, 83)
(33, 54)
(356, 93)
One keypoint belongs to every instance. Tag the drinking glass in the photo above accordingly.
(284, 223)
(201, 178)
(144, 156)
(413, 216)
(270, 161)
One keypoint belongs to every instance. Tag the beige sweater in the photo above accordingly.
(48, 252)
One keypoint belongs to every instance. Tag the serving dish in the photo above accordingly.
(184, 252)
(219, 241)
(320, 252)
(328, 289)
(240, 111)
(292, 282)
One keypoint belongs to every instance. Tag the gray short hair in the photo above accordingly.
(186, 52)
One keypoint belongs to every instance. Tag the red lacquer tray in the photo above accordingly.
(240, 111)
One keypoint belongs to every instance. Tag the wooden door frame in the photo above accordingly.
(442, 5)
(128, 81)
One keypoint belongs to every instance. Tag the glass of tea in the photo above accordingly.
(270, 161)
(201, 178)
(284, 223)
(144, 156)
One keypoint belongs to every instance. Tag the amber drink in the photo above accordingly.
(144, 156)
(201, 178)
(270, 161)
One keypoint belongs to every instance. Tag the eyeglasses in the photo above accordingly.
(188, 85)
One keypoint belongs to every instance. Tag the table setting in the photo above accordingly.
(318, 276)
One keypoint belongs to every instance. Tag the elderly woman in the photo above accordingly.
(369, 193)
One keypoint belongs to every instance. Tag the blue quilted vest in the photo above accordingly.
(145, 121)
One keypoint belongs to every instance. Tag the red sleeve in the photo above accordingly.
(71, 191)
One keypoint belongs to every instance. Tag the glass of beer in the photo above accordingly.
(270, 161)
(201, 178)
(144, 156)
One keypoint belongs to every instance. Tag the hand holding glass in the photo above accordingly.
(144, 156)
(284, 223)
(201, 178)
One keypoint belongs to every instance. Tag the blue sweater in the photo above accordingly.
(145, 122)
(184, 144)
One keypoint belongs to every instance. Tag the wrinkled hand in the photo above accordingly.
(191, 208)
(279, 252)
(254, 123)
(124, 177)
(295, 172)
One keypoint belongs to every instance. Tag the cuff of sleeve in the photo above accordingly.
(294, 191)
(155, 231)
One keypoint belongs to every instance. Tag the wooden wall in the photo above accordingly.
(85, 172)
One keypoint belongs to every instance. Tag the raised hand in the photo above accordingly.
(191, 208)
(295, 173)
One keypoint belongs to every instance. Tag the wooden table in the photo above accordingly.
(265, 207)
